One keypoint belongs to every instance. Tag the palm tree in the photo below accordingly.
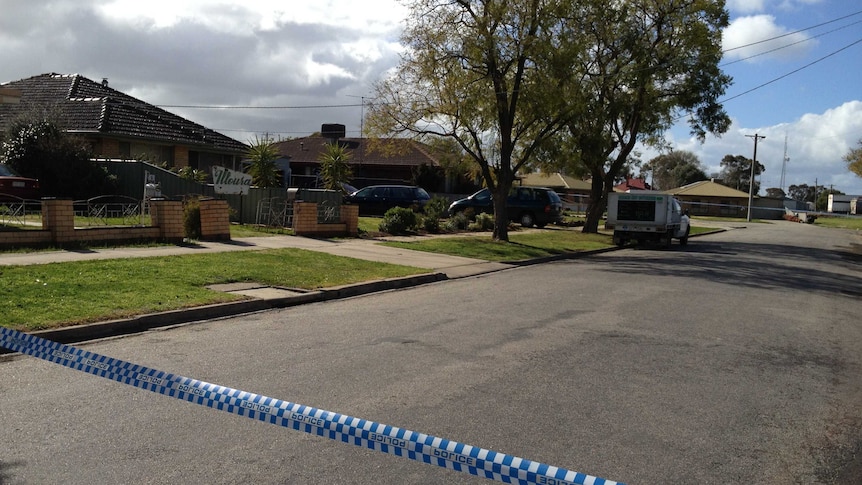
(262, 154)
(334, 166)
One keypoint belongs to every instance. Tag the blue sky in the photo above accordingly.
(266, 53)
(817, 108)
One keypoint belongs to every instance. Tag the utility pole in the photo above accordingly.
(751, 181)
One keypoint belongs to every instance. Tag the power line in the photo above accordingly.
(792, 33)
(790, 44)
(791, 72)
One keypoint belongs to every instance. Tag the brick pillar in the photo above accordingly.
(215, 220)
(167, 215)
(58, 217)
(350, 217)
(304, 218)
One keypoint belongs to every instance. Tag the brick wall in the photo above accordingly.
(305, 221)
(215, 220)
(58, 227)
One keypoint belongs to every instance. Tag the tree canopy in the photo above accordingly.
(567, 84)
(38, 147)
(854, 160)
(674, 169)
(736, 172)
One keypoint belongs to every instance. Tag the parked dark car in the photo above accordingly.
(14, 186)
(529, 206)
(377, 199)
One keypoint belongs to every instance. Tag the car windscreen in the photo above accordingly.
(6, 171)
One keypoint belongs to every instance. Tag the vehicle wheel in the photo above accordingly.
(527, 219)
(666, 242)
(684, 240)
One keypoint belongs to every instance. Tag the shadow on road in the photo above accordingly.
(4, 471)
(767, 266)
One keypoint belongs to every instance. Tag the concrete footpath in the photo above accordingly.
(258, 297)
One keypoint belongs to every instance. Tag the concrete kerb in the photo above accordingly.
(142, 323)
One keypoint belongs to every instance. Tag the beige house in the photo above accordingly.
(575, 193)
(709, 198)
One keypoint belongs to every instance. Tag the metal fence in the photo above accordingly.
(111, 210)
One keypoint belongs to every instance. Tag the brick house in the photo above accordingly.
(119, 126)
(372, 162)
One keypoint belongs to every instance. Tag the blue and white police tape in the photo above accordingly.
(367, 434)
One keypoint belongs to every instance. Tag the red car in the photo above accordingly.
(14, 186)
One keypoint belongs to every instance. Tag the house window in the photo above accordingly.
(125, 150)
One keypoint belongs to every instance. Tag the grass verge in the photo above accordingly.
(60, 294)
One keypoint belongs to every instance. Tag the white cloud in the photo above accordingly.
(746, 37)
(374, 17)
(816, 145)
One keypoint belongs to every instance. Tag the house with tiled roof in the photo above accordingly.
(632, 184)
(119, 126)
(393, 161)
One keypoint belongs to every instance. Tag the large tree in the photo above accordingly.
(647, 64)
(803, 192)
(583, 79)
(38, 147)
(489, 74)
(674, 169)
(736, 172)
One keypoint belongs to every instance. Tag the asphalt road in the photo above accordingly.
(735, 359)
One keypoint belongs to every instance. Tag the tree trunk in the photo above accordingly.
(501, 212)
(596, 207)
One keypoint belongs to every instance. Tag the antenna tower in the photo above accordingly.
(784, 164)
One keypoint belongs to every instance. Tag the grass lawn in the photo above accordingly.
(59, 294)
(520, 246)
(854, 223)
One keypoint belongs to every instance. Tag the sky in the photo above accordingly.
(254, 67)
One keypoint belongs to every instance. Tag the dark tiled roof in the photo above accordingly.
(391, 152)
(88, 107)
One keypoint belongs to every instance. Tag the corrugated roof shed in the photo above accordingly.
(88, 107)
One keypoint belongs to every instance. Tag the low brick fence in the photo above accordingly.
(58, 226)
(305, 221)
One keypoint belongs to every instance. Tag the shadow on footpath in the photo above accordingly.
(766, 266)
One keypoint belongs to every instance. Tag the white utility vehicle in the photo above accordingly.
(646, 215)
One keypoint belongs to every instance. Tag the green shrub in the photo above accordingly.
(484, 222)
(458, 222)
(192, 218)
(399, 220)
(434, 210)
(437, 207)
(431, 224)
